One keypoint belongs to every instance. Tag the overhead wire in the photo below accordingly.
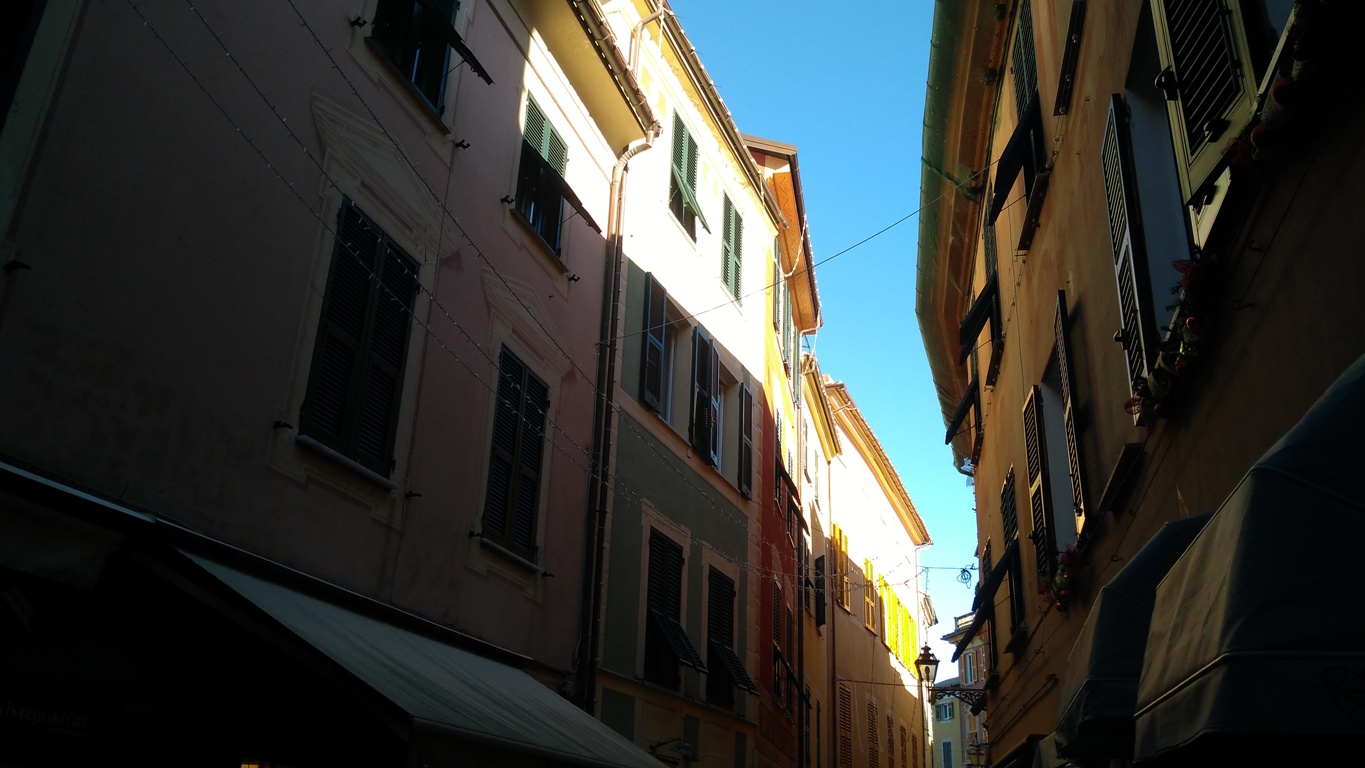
(621, 486)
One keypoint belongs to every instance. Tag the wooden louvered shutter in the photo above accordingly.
(777, 614)
(845, 572)
(777, 283)
(679, 148)
(705, 391)
(890, 742)
(746, 441)
(790, 645)
(845, 726)
(1208, 79)
(518, 448)
(874, 754)
(820, 590)
(1024, 60)
(388, 345)
(732, 248)
(652, 363)
(904, 747)
(1075, 470)
(1129, 261)
(535, 130)
(665, 576)
(869, 596)
(1009, 509)
(720, 619)
(355, 385)
(1039, 491)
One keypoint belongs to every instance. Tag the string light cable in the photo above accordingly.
(621, 487)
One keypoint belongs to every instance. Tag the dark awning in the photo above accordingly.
(984, 604)
(447, 691)
(1253, 639)
(1099, 690)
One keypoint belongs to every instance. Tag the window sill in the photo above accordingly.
(507, 554)
(345, 462)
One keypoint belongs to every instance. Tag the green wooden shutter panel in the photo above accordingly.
(1024, 60)
(1134, 306)
(531, 454)
(1073, 454)
(664, 591)
(679, 149)
(705, 394)
(346, 305)
(535, 126)
(746, 441)
(652, 363)
(738, 257)
(556, 151)
(517, 452)
(720, 620)
(353, 395)
(388, 350)
(1040, 494)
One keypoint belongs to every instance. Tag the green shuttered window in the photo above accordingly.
(682, 181)
(518, 450)
(357, 375)
(732, 250)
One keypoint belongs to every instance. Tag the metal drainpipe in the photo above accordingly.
(604, 406)
(635, 34)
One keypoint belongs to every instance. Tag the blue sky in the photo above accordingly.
(847, 88)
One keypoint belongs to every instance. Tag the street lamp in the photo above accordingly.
(927, 665)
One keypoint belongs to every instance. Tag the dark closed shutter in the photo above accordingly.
(1009, 508)
(873, 741)
(705, 398)
(1208, 79)
(997, 317)
(746, 441)
(720, 619)
(1023, 60)
(820, 590)
(726, 671)
(665, 575)
(777, 615)
(984, 306)
(1073, 453)
(1129, 260)
(652, 364)
(518, 449)
(1039, 492)
(845, 726)
(1071, 53)
(354, 387)
(791, 634)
